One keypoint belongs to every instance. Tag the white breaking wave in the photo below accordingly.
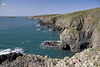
(38, 25)
(22, 42)
(50, 29)
(7, 51)
(37, 29)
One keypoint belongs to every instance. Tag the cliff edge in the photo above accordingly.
(80, 30)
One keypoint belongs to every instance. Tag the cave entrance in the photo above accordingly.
(84, 46)
(67, 47)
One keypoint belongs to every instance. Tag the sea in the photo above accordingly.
(23, 35)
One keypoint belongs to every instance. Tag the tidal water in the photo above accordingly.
(22, 35)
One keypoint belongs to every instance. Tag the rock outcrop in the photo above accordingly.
(50, 44)
(9, 57)
(74, 27)
(95, 39)
(70, 38)
(88, 58)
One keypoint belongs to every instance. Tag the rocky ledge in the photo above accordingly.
(88, 58)
(74, 27)
(50, 44)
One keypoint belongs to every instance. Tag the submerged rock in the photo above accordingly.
(48, 44)
(41, 29)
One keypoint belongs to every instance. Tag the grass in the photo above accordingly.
(98, 28)
(95, 64)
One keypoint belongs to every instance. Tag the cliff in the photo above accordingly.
(75, 27)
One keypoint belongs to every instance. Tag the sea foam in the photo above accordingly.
(7, 51)
(38, 25)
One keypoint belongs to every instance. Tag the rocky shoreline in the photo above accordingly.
(88, 58)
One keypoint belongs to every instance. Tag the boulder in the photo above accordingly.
(9, 57)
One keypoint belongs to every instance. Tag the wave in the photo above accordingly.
(37, 29)
(25, 42)
(52, 40)
(7, 51)
(22, 42)
(50, 29)
(2, 45)
(38, 25)
(28, 41)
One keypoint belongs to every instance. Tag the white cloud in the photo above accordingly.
(3, 4)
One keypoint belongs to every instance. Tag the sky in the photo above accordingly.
(41, 7)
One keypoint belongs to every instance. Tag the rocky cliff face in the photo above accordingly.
(95, 39)
(88, 58)
(74, 26)
(84, 24)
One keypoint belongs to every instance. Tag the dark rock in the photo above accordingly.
(9, 57)
(50, 44)
(41, 29)
(57, 28)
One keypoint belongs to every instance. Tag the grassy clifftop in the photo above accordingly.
(68, 15)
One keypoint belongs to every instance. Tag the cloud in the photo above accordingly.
(3, 4)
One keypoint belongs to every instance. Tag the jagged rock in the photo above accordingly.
(70, 37)
(48, 44)
(41, 29)
(95, 39)
(9, 57)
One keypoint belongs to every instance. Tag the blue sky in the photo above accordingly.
(40, 7)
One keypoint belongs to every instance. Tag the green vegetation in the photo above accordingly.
(98, 28)
(73, 30)
(74, 16)
(88, 65)
(51, 15)
(95, 64)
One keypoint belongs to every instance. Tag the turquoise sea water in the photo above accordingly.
(21, 34)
